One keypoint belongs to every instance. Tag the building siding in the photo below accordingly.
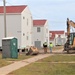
(27, 24)
(57, 37)
(13, 26)
(17, 27)
(42, 36)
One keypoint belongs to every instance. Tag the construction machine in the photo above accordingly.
(31, 50)
(70, 43)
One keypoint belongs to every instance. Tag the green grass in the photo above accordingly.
(4, 63)
(7, 61)
(59, 58)
(45, 67)
(20, 57)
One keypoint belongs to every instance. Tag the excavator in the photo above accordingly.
(70, 43)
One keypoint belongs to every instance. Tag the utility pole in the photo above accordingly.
(4, 3)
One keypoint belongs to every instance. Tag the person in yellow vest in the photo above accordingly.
(45, 47)
(51, 46)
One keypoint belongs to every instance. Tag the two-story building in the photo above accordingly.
(57, 37)
(40, 32)
(19, 24)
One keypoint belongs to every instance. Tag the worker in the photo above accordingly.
(45, 47)
(51, 46)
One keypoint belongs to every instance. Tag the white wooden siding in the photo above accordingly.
(27, 24)
(17, 27)
(42, 36)
(13, 26)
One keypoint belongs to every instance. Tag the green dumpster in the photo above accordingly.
(9, 47)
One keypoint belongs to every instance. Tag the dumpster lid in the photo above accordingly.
(7, 38)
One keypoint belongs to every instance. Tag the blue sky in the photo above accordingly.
(55, 11)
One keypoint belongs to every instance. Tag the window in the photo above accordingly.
(27, 37)
(23, 17)
(27, 21)
(23, 34)
(38, 29)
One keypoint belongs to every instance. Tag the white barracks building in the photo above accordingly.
(18, 24)
(40, 32)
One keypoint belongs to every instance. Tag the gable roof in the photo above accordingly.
(55, 32)
(39, 22)
(13, 9)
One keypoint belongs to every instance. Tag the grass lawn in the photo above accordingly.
(59, 58)
(20, 57)
(7, 61)
(45, 67)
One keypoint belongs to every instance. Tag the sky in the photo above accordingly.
(55, 11)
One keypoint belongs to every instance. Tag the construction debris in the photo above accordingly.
(31, 51)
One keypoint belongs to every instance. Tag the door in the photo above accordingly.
(14, 49)
(6, 53)
(38, 44)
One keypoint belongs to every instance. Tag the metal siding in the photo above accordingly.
(14, 49)
(6, 49)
